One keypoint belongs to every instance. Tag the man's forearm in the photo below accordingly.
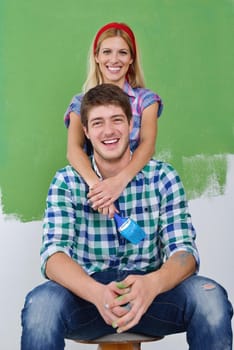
(63, 270)
(177, 268)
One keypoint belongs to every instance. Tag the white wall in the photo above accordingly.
(20, 264)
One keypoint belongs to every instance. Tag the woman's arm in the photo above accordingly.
(79, 160)
(75, 152)
(146, 149)
(107, 191)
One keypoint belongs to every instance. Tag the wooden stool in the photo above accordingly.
(123, 341)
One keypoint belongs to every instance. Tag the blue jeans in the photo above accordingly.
(198, 306)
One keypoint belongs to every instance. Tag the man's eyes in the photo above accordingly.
(97, 123)
(118, 120)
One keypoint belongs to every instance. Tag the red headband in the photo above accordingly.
(115, 25)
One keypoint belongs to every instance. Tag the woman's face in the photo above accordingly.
(114, 58)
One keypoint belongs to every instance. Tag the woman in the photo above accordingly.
(114, 58)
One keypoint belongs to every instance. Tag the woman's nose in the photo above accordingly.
(114, 57)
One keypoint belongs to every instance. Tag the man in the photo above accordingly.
(99, 282)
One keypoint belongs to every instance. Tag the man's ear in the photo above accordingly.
(86, 132)
(130, 125)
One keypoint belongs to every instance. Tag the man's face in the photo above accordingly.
(108, 131)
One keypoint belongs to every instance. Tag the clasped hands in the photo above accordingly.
(123, 303)
(103, 194)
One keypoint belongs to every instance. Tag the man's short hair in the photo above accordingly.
(103, 95)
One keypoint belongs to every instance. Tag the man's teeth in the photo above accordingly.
(110, 141)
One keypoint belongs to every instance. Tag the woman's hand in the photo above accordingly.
(108, 211)
(103, 194)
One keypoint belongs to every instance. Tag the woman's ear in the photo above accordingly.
(96, 59)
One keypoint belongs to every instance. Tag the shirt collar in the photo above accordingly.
(95, 168)
(128, 89)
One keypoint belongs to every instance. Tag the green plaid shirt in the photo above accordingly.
(155, 199)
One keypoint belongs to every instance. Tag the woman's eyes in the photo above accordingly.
(121, 52)
(106, 52)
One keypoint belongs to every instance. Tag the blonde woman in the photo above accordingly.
(114, 58)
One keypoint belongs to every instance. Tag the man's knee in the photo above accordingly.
(208, 299)
(42, 305)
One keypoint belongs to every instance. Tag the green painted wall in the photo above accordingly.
(187, 53)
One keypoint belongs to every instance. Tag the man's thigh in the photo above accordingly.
(171, 312)
(52, 306)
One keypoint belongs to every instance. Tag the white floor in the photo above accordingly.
(20, 265)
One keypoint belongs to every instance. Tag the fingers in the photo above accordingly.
(107, 210)
(115, 314)
(125, 310)
(120, 289)
(101, 196)
(104, 211)
(108, 317)
(100, 202)
(129, 320)
(111, 211)
(119, 311)
(111, 314)
(130, 300)
(119, 301)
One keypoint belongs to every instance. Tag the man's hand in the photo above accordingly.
(135, 302)
(109, 303)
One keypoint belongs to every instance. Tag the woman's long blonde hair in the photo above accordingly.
(135, 76)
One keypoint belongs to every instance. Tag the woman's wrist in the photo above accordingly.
(92, 181)
(124, 178)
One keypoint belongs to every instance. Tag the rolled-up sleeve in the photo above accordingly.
(176, 229)
(74, 106)
(147, 98)
(58, 224)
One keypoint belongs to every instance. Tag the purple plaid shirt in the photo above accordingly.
(140, 99)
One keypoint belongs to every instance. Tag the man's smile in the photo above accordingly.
(110, 142)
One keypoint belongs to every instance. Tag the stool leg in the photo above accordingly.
(126, 346)
(137, 346)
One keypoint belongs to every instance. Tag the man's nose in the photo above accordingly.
(108, 128)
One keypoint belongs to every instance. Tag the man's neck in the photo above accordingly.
(109, 168)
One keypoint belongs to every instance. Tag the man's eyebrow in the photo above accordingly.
(111, 117)
(95, 118)
(118, 115)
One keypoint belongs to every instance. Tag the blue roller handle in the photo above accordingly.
(129, 229)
